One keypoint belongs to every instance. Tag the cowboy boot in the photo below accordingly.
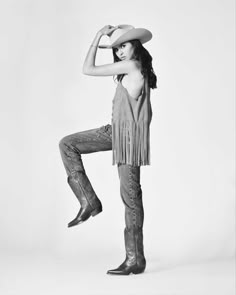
(135, 261)
(90, 204)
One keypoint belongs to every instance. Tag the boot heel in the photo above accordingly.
(138, 270)
(96, 211)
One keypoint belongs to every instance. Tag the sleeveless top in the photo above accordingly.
(131, 118)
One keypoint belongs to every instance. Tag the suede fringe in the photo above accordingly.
(131, 143)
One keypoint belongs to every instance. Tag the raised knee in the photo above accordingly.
(63, 142)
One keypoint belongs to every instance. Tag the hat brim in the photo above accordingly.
(143, 35)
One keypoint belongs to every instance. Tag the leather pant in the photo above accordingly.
(96, 140)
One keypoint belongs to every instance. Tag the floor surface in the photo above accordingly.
(44, 275)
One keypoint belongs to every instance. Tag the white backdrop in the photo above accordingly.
(188, 191)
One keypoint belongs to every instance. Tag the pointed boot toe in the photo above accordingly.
(117, 271)
(84, 214)
(123, 269)
(126, 270)
(74, 222)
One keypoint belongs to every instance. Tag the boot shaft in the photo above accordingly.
(83, 190)
(134, 246)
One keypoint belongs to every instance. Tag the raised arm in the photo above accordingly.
(89, 67)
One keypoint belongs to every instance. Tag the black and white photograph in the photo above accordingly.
(118, 147)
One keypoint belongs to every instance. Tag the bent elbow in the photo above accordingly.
(86, 71)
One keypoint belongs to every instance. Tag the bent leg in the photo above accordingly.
(90, 141)
(71, 148)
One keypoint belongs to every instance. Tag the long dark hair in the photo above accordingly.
(143, 56)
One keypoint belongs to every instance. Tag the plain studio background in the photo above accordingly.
(188, 191)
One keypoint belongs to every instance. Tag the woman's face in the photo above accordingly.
(124, 51)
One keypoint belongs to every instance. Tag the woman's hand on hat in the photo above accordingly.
(107, 30)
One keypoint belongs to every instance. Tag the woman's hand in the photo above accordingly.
(107, 30)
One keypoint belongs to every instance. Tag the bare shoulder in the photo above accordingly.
(133, 65)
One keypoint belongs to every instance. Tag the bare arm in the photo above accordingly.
(89, 68)
(91, 55)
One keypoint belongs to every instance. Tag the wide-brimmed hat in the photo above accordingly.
(125, 33)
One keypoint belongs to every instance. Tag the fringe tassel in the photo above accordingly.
(130, 143)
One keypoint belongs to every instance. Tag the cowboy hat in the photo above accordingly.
(124, 33)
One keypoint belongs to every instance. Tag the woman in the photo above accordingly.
(127, 137)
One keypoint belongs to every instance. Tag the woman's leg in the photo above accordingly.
(71, 148)
(131, 194)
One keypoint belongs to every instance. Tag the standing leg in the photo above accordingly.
(131, 194)
(71, 148)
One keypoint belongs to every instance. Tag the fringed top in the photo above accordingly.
(131, 119)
